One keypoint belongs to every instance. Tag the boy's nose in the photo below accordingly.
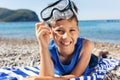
(66, 35)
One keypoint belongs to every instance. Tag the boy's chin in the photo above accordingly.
(67, 51)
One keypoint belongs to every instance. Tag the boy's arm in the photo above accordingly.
(46, 64)
(43, 36)
(84, 58)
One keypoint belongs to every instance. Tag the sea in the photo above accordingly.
(94, 30)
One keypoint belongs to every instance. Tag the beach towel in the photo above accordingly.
(98, 73)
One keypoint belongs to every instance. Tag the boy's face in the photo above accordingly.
(65, 34)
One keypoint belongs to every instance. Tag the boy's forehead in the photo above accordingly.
(63, 22)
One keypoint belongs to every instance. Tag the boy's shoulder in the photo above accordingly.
(83, 40)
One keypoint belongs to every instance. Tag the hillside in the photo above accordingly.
(21, 15)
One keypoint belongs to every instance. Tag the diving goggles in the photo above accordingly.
(62, 9)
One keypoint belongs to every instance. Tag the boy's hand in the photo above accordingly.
(32, 78)
(43, 34)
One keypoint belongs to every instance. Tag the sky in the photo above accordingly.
(88, 9)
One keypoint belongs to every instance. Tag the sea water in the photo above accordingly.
(19, 30)
(105, 31)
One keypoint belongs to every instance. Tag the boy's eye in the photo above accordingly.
(72, 30)
(60, 31)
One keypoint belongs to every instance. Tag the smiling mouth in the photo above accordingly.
(66, 43)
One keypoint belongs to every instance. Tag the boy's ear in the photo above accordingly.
(79, 31)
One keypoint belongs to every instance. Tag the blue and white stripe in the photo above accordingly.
(19, 73)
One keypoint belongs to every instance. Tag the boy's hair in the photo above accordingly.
(73, 17)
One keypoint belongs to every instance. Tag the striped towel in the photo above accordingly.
(19, 73)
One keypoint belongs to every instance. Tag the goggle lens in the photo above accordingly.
(61, 9)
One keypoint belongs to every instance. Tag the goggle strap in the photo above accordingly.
(73, 8)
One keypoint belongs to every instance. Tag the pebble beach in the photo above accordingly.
(23, 52)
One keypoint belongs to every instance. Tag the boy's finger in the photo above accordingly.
(37, 25)
(43, 22)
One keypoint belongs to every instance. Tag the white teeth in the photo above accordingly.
(66, 43)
